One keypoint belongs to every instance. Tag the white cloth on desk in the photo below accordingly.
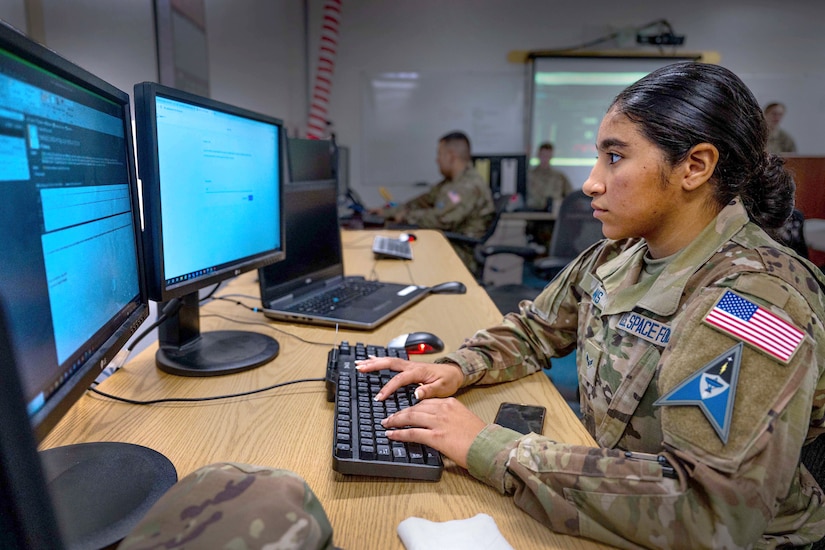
(479, 532)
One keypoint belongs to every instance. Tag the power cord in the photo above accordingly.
(198, 399)
(170, 309)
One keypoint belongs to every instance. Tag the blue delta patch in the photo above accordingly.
(712, 389)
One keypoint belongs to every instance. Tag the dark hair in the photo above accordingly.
(684, 104)
(546, 145)
(458, 139)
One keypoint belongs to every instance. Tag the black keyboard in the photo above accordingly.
(337, 297)
(359, 444)
(385, 247)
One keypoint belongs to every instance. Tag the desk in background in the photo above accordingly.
(504, 269)
(291, 427)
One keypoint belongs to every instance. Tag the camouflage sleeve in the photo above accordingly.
(424, 200)
(400, 211)
(450, 208)
(567, 188)
(725, 494)
(535, 194)
(525, 342)
(235, 505)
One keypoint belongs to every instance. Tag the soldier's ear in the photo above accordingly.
(698, 166)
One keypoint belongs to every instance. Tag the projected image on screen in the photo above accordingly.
(570, 97)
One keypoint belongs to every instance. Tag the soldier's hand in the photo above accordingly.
(443, 424)
(434, 379)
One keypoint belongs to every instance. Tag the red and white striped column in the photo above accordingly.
(322, 89)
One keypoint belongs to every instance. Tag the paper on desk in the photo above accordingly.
(479, 532)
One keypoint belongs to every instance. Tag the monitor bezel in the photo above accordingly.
(111, 338)
(145, 94)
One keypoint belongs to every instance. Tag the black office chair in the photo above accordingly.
(813, 457)
(475, 243)
(792, 235)
(575, 230)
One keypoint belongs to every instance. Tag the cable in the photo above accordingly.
(170, 309)
(226, 298)
(211, 292)
(197, 399)
(280, 331)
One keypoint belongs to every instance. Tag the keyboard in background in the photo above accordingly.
(336, 297)
(386, 247)
(359, 444)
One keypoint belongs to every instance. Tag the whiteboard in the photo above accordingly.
(404, 115)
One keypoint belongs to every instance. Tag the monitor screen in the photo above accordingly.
(71, 269)
(212, 177)
(71, 277)
(570, 96)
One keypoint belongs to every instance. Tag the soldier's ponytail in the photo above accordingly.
(684, 104)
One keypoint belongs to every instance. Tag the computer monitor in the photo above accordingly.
(310, 159)
(341, 173)
(72, 291)
(506, 173)
(212, 176)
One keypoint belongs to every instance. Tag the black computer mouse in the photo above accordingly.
(450, 287)
(417, 343)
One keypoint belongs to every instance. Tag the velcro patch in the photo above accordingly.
(653, 331)
(755, 325)
(712, 389)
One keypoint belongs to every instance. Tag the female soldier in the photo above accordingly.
(700, 341)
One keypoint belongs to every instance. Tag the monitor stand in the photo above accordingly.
(186, 351)
(100, 491)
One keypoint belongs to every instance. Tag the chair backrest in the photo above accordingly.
(500, 202)
(575, 228)
(792, 235)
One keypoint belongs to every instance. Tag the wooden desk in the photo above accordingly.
(291, 427)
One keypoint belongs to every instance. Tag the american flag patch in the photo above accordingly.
(455, 198)
(755, 326)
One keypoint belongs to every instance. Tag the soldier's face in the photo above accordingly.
(631, 187)
(444, 159)
(545, 156)
(773, 116)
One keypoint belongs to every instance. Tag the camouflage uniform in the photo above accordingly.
(780, 141)
(637, 339)
(235, 506)
(464, 205)
(546, 183)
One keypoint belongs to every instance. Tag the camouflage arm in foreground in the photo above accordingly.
(234, 505)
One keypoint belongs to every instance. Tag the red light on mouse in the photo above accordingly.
(420, 348)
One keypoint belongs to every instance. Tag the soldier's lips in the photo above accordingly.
(598, 212)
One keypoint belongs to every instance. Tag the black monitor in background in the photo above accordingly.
(310, 159)
(72, 293)
(506, 174)
(341, 174)
(212, 178)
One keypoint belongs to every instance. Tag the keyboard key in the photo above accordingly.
(360, 444)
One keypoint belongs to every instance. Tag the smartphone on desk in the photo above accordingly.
(521, 418)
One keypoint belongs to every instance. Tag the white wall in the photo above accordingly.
(775, 44)
(256, 47)
(257, 56)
